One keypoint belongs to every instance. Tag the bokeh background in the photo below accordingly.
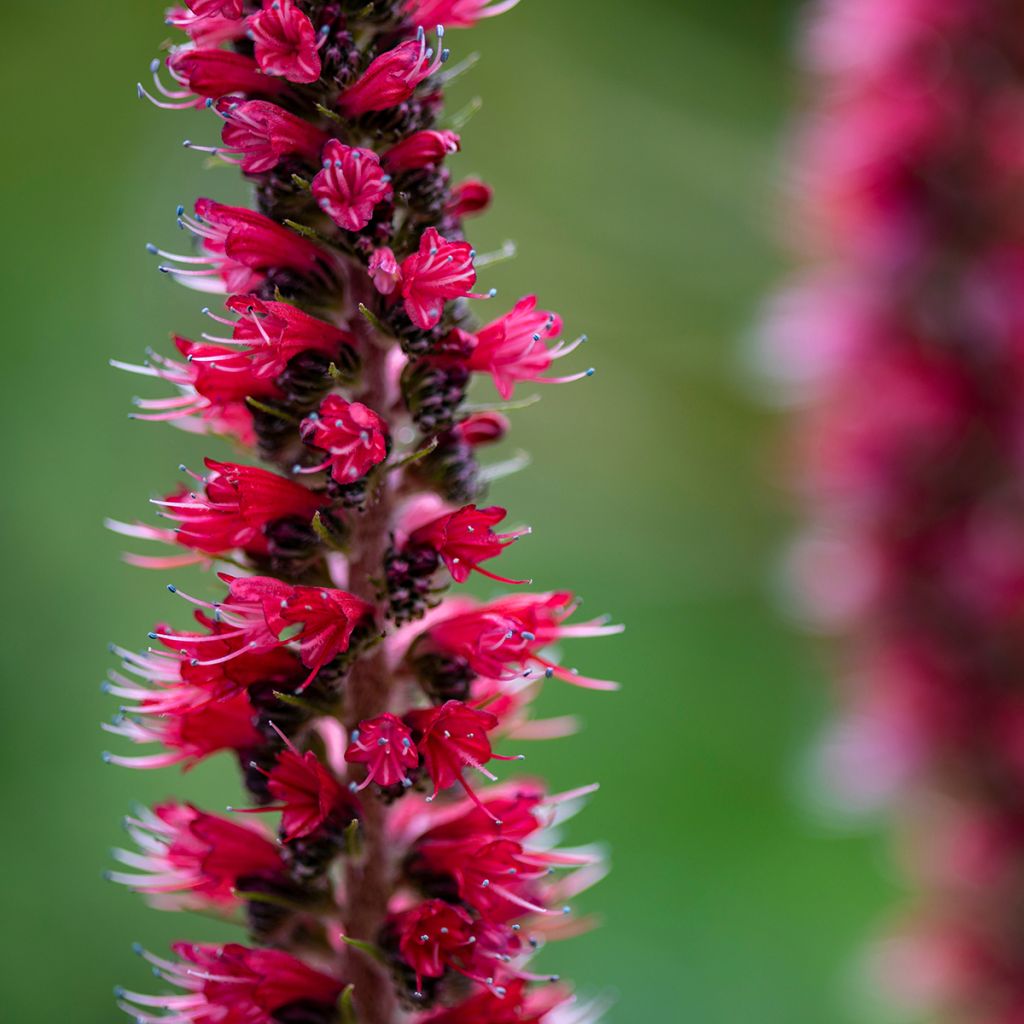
(635, 150)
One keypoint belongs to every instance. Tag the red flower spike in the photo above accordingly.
(350, 185)
(259, 135)
(469, 198)
(455, 13)
(453, 737)
(432, 937)
(384, 744)
(421, 149)
(440, 270)
(285, 42)
(355, 437)
(465, 538)
(310, 278)
(190, 858)
(231, 984)
(392, 77)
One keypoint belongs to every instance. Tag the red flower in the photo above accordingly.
(384, 270)
(208, 30)
(231, 984)
(236, 504)
(439, 271)
(515, 1005)
(384, 744)
(350, 185)
(482, 428)
(213, 385)
(328, 619)
(198, 669)
(455, 13)
(469, 198)
(512, 348)
(190, 736)
(187, 852)
(502, 639)
(497, 877)
(209, 73)
(393, 77)
(285, 42)
(432, 937)
(215, 8)
(275, 332)
(310, 796)
(465, 538)
(420, 150)
(259, 135)
(451, 738)
(355, 437)
(241, 245)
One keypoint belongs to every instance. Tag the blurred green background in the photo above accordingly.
(635, 152)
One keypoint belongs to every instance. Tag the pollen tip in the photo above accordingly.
(179, 210)
(106, 757)
(154, 64)
(119, 991)
(151, 248)
(107, 876)
(591, 372)
(139, 91)
(138, 949)
(172, 588)
(152, 636)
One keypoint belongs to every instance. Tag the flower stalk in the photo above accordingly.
(903, 343)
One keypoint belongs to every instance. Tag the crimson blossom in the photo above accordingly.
(406, 879)
(906, 344)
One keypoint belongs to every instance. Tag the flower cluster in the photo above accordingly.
(905, 344)
(406, 880)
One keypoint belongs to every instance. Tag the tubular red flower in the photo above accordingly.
(503, 639)
(421, 149)
(392, 77)
(439, 271)
(189, 858)
(235, 507)
(455, 13)
(310, 796)
(285, 42)
(231, 984)
(350, 185)
(384, 744)
(259, 135)
(355, 437)
(452, 738)
(465, 538)
(241, 246)
(469, 198)
(511, 349)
